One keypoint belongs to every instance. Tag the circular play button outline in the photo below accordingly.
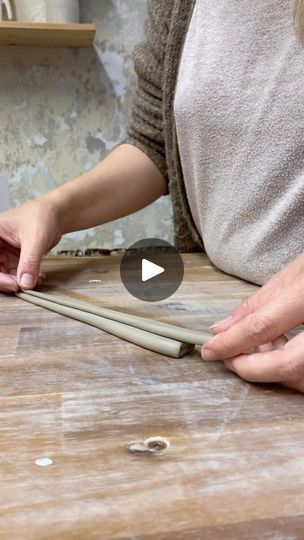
(151, 269)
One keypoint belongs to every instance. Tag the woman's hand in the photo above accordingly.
(26, 234)
(259, 324)
(123, 183)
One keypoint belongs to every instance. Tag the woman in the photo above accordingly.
(218, 121)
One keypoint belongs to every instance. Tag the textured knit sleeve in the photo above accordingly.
(146, 125)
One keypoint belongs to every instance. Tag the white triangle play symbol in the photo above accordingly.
(150, 270)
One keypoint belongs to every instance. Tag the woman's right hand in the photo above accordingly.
(26, 234)
(123, 183)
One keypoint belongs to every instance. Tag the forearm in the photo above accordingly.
(126, 181)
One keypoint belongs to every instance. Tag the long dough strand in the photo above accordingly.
(157, 327)
(148, 340)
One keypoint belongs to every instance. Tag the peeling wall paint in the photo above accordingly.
(62, 110)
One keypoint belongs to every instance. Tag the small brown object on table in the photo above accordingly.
(73, 399)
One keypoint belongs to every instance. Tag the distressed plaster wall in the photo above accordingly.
(62, 110)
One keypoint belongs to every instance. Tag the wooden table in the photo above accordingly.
(78, 397)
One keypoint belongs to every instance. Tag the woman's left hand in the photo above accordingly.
(259, 325)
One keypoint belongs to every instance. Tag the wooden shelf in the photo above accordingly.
(46, 34)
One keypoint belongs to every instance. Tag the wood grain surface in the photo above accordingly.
(46, 34)
(79, 397)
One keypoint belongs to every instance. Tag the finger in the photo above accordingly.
(8, 262)
(260, 367)
(296, 348)
(238, 314)
(256, 300)
(5, 247)
(270, 290)
(8, 283)
(284, 365)
(8, 270)
(278, 343)
(251, 303)
(299, 386)
(262, 326)
(29, 264)
(40, 281)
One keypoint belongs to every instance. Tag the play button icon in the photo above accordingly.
(152, 269)
(149, 270)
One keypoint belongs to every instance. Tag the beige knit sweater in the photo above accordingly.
(152, 127)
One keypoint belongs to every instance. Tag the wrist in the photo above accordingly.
(56, 202)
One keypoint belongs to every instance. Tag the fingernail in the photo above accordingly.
(208, 354)
(222, 322)
(27, 281)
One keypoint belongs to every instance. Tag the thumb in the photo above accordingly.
(29, 265)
